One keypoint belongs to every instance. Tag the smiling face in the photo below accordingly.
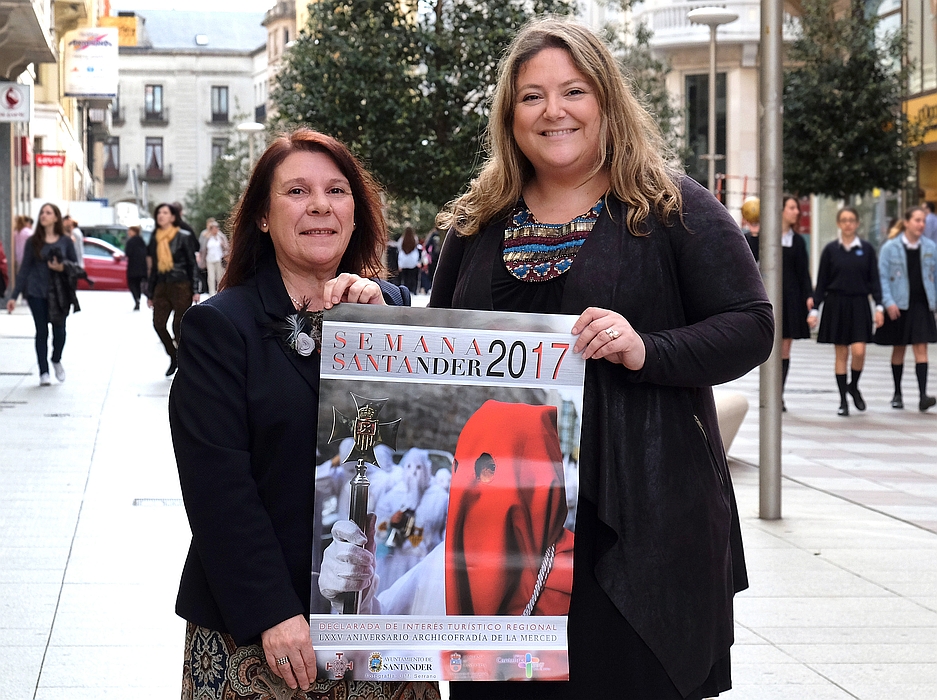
(557, 118)
(312, 212)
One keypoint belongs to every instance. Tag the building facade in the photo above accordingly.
(919, 18)
(183, 88)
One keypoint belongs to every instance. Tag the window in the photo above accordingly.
(153, 158)
(286, 37)
(218, 147)
(153, 102)
(697, 126)
(219, 103)
(117, 117)
(112, 157)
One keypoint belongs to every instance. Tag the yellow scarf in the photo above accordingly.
(164, 236)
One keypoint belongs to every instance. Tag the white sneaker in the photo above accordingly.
(59, 371)
(44, 379)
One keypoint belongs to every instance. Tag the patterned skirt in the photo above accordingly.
(216, 668)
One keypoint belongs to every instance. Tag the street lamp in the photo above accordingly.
(713, 16)
(250, 128)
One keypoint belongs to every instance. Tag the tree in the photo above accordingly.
(222, 188)
(844, 129)
(406, 89)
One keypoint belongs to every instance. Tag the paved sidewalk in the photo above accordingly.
(843, 602)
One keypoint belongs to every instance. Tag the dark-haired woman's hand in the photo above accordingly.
(11, 305)
(352, 289)
(606, 334)
(289, 642)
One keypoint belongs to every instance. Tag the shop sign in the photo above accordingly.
(50, 160)
(16, 102)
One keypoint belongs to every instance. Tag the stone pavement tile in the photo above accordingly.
(911, 513)
(20, 670)
(842, 482)
(791, 675)
(819, 611)
(797, 583)
(760, 654)
(882, 497)
(845, 635)
(18, 637)
(28, 605)
(814, 654)
(896, 681)
(139, 666)
(782, 691)
(33, 558)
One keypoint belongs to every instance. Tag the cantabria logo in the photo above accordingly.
(528, 664)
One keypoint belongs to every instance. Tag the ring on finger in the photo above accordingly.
(283, 660)
(612, 333)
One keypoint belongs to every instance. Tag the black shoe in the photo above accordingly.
(136, 307)
(783, 406)
(172, 368)
(843, 409)
(896, 401)
(856, 397)
(926, 402)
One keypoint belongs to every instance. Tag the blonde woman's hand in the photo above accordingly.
(893, 312)
(352, 289)
(609, 335)
(290, 641)
(879, 319)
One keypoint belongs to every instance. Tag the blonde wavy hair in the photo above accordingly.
(635, 151)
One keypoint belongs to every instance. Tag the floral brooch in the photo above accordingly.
(301, 332)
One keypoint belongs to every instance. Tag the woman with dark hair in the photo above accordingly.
(307, 234)
(173, 281)
(797, 290)
(908, 270)
(408, 260)
(44, 255)
(847, 277)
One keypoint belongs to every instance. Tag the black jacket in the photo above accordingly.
(136, 257)
(243, 412)
(185, 269)
(62, 291)
(651, 456)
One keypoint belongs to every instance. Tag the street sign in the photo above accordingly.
(16, 102)
(50, 160)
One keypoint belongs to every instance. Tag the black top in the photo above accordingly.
(667, 544)
(752, 244)
(136, 257)
(852, 272)
(915, 277)
(185, 268)
(33, 277)
(243, 409)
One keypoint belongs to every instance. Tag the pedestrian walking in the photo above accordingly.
(670, 303)
(408, 260)
(213, 251)
(46, 254)
(173, 277)
(78, 238)
(930, 222)
(908, 271)
(751, 223)
(135, 248)
(797, 290)
(847, 277)
(245, 397)
(22, 230)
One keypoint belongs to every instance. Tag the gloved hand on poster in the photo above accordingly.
(348, 564)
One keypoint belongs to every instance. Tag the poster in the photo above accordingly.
(91, 62)
(473, 421)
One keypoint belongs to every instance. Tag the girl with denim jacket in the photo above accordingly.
(908, 271)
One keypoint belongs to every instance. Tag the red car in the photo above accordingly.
(105, 264)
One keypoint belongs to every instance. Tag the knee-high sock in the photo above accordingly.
(841, 384)
(785, 366)
(896, 372)
(921, 369)
(854, 380)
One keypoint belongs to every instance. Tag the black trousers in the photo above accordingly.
(170, 298)
(40, 311)
(135, 284)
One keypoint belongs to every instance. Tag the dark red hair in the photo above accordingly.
(249, 244)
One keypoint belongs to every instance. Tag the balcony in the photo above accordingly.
(671, 28)
(25, 36)
(285, 9)
(115, 174)
(118, 116)
(150, 118)
(220, 119)
(157, 175)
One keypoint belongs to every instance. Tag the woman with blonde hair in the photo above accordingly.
(576, 211)
(908, 270)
